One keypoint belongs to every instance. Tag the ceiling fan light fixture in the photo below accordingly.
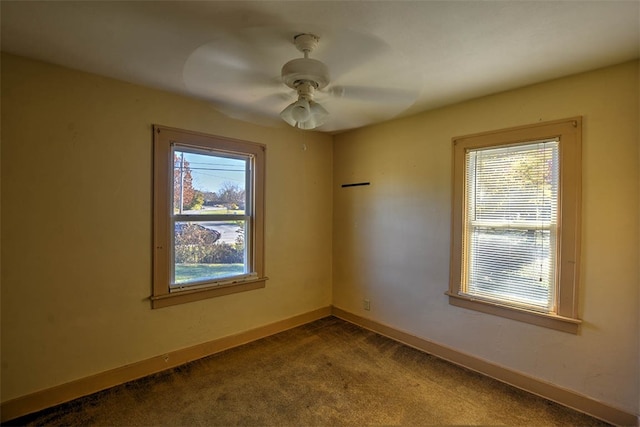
(304, 114)
(316, 118)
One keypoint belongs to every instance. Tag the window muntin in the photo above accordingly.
(503, 233)
(208, 216)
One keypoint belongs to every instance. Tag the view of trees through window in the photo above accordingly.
(209, 203)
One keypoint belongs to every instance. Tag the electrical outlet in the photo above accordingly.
(366, 304)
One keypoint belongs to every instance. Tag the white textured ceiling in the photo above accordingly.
(444, 51)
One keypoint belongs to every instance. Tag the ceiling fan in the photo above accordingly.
(369, 82)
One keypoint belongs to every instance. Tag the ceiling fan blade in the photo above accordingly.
(214, 67)
(242, 68)
(370, 82)
(264, 111)
(345, 50)
(374, 94)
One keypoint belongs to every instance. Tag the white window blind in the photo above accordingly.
(509, 246)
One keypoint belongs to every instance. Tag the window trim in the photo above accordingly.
(163, 137)
(569, 133)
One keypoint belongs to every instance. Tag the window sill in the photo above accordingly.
(559, 323)
(181, 297)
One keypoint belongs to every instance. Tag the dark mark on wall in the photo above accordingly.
(357, 184)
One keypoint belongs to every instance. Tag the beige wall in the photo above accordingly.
(391, 239)
(76, 227)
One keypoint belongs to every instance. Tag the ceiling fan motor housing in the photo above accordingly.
(300, 70)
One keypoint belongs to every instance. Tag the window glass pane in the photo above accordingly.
(511, 265)
(208, 183)
(208, 250)
(514, 184)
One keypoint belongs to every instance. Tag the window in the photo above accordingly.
(516, 223)
(208, 216)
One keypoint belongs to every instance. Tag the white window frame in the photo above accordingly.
(165, 141)
(564, 315)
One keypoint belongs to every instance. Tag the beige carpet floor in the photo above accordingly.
(326, 373)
